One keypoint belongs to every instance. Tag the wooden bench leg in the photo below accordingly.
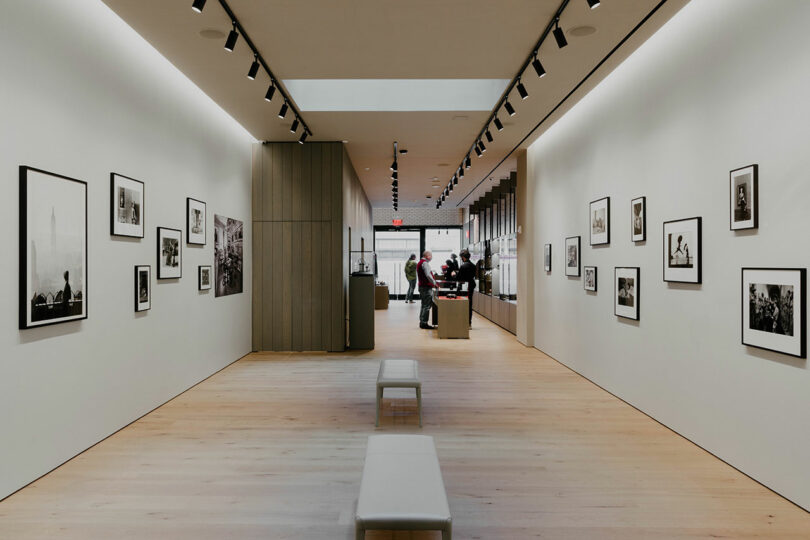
(379, 404)
(447, 532)
(419, 403)
(359, 533)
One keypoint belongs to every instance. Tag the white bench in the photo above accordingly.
(402, 487)
(399, 374)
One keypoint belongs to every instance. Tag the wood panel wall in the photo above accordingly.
(298, 299)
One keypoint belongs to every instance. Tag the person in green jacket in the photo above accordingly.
(410, 275)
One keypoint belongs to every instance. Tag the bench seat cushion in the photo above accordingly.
(398, 373)
(402, 485)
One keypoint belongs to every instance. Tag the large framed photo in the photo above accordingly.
(195, 222)
(53, 248)
(638, 219)
(572, 256)
(626, 292)
(204, 278)
(169, 253)
(126, 206)
(143, 287)
(773, 309)
(590, 279)
(682, 250)
(600, 221)
(744, 198)
(227, 255)
(547, 257)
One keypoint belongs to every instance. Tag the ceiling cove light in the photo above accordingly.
(198, 5)
(294, 126)
(591, 3)
(559, 35)
(232, 37)
(498, 124)
(254, 68)
(509, 108)
(270, 93)
(283, 111)
(522, 90)
(538, 67)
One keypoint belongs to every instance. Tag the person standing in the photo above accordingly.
(466, 274)
(427, 284)
(410, 275)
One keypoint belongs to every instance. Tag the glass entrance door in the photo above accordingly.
(393, 249)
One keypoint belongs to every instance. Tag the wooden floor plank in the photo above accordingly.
(273, 447)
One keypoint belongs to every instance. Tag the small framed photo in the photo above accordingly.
(204, 278)
(572, 258)
(600, 222)
(195, 222)
(169, 253)
(590, 279)
(126, 206)
(682, 250)
(547, 257)
(626, 292)
(744, 198)
(143, 287)
(638, 219)
(773, 309)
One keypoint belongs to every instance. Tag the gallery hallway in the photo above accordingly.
(273, 447)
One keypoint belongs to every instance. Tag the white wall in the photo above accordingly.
(722, 85)
(83, 95)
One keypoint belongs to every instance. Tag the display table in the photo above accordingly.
(381, 297)
(454, 317)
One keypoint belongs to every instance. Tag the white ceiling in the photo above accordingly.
(395, 39)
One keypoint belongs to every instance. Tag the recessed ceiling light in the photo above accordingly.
(581, 31)
(435, 186)
(368, 168)
(212, 33)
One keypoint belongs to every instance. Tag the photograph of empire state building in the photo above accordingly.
(53, 215)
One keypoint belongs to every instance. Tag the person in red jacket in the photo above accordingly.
(427, 284)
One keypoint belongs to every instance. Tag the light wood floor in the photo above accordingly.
(272, 447)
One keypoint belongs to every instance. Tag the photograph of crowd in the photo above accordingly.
(771, 308)
(227, 255)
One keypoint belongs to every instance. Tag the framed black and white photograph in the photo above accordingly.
(744, 198)
(626, 292)
(143, 287)
(589, 283)
(638, 219)
(204, 278)
(547, 257)
(600, 221)
(169, 253)
(53, 248)
(773, 309)
(682, 250)
(195, 222)
(227, 255)
(572, 256)
(126, 206)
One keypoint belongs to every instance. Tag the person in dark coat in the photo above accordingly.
(466, 274)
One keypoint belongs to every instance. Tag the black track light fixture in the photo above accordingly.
(294, 126)
(488, 133)
(303, 138)
(498, 124)
(461, 172)
(455, 180)
(283, 111)
(481, 146)
(522, 90)
(254, 68)
(230, 43)
(198, 5)
(467, 162)
(509, 109)
(271, 91)
(393, 166)
(559, 35)
(593, 4)
(395, 175)
(478, 151)
(538, 67)
(395, 183)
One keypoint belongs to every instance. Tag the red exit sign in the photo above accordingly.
(397, 222)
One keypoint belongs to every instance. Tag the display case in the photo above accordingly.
(363, 262)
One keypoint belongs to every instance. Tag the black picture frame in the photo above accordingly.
(603, 238)
(734, 183)
(643, 219)
(769, 340)
(636, 307)
(191, 238)
(585, 284)
(114, 206)
(200, 285)
(547, 258)
(161, 273)
(26, 322)
(578, 241)
(138, 304)
(687, 272)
